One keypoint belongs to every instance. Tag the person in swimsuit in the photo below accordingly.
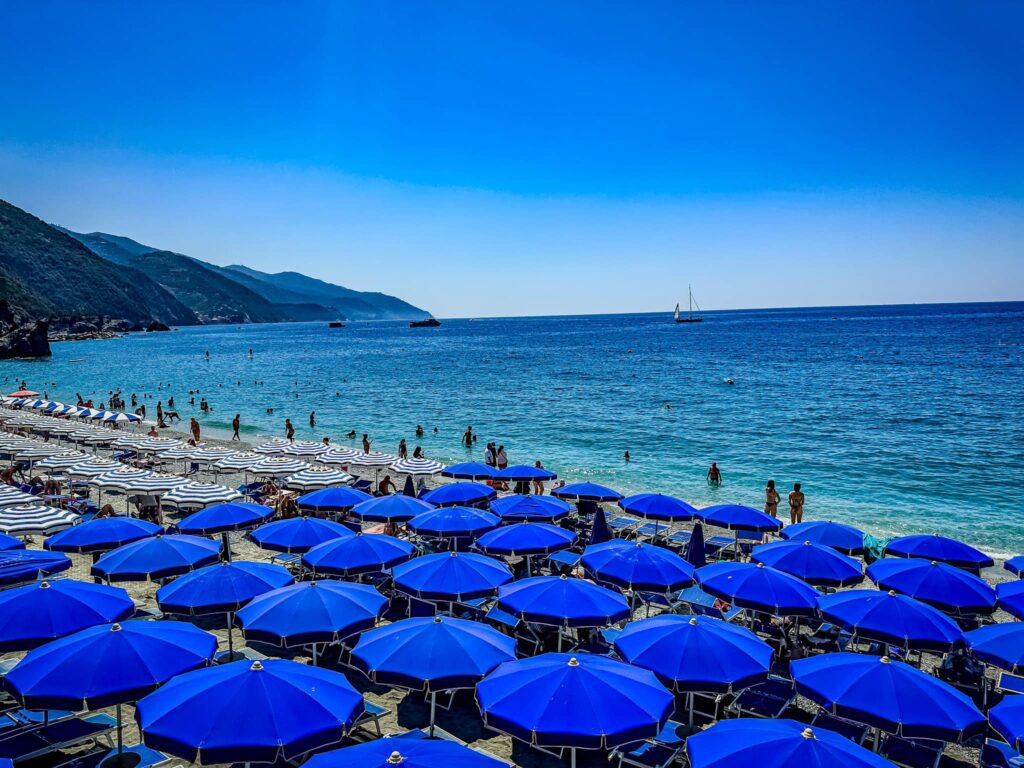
(538, 485)
(194, 429)
(236, 424)
(366, 443)
(796, 505)
(403, 449)
(771, 499)
(289, 430)
(386, 487)
(714, 475)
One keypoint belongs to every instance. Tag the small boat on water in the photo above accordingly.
(336, 324)
(690, 318)
(430, 322)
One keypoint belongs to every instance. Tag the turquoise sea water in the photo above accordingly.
(896, 419)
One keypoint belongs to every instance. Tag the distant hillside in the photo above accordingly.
(120, 250)
(49, 274)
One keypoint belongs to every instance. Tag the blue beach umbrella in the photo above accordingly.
(695, 553)
(156, 557)
(525, 473)
(950, 589)
(599, 530)
(887, 694)
(221, 518)
(638, 566)
(390, 509)
(409, 753)
(332, 499)
(357, 554)
(844, 538)
(735, 517)
(939, 548)
(1015, 565)
(43, 611)
(893, 619)
(101, 534)
(451, 576)
(297, 534)
(452, 522)
(432, 654)
(530, 508)
(562, 601)
(469, 470)
(657, 506)
(776, 744)
(1001, 645)
(525, 539)
(813, 563)
(758, 587)
(458, 494)
(577, 701)
(1011, 597)
(8, 543)
(260, 712)
(20, 565)
(1007, 718)
(586, 492)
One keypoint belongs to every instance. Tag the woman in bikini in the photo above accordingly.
(771, 499)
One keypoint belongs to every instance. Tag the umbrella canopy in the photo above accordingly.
(1011, 597)
(469, 470)
(109, 664)
(416, 467)
(738, 518)
(312, 478)
(1007, 718)
(311, 612)
(297, 534)
(776, 744)
(156, 483)
(332, 499)
(396, 508)
(20, 565)
(585, 701)
(289, 709)
(657, 506)
(28, 519)
(220, 588)
(887, 694)
(156, 557)
(375, 460)
(43, 611)
(277, 466)
(452, 576)
(638, 566)
(457, 494)
(939, 548)
(120, 418)
(948, 588)
(24, 393)
(844, 538)
(562, 601)
(198, 495)
(232, 516)
(63, 460)
(432, 654)
(116, 479)
(756, 586)
(274, 447)
(525, 473)
(209, 454)
(1001, 645)
(530, 508)
(409, 753)
(809, 562)
(893, 619)
(304, 448)
(1015, 565)
(9, 542)
(526, 539)
(243, 461)
(342, 456)
(586, 492)
(696, 653)
(12, 497)
(101, 534)
(358, 553)
(451, 522)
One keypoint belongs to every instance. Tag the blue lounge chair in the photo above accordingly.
(703, 604)
(767, 700)
(24, 744)
(565, 558)
(998, 754)
(372, 713)
(659, 752)
(855, 732)
(912, 753)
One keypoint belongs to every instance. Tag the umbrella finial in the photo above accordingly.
(808, 733)
(115, 627)
(574, 662)
(437, 619)
(760, 565)
(693, 621)
(395, 758)
(44, 585)
(257, 666)
(892, 593)
(454, 554)
(885, 660)
(807, 543)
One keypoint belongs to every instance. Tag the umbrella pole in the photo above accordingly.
(120, 735)
(231, 632)
(226, 545)
(433, 709)
(314, 654)
(572, 759)
(689, 707)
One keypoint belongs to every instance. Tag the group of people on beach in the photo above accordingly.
(772, 497)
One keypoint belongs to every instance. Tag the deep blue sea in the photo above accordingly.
(897, 419)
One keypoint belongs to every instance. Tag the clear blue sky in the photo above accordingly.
(483, 158)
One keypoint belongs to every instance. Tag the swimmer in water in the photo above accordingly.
(714, 475)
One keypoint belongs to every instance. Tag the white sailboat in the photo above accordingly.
(690, 318)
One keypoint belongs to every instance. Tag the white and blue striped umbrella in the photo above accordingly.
(240, 462)
(373, 460)
(58, 427)
(92, 437)
(122, 418)
(313, 478)
(92, 468)
(177, 454)
(97, 415)
(64, 460)
(417, 467)
(116, 478)
(37, 451)
(12, 497)
(27, 519)
(39, 404)
(155, 484)
(305, 448)
(340, 456)
(277, 466)
(210, 454)
(200, 495)
(156, 444)
(273, 447)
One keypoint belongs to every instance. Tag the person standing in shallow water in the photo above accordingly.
(289, 430)
(236, 424)
(714, 475)
(796, 505)
(194, 429)
(312, 418)
(366, 443)
(771, 499)
(403, 450)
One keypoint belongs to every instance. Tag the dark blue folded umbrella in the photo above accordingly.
(526, 539)
(1011, 597)
(1015, 565)
(886, 694)
(10, 542)
(657, 506)
(469, 470)
(562, 601)
(260, 712)
(999, 644)
(530, 508)
(101, 534)
(695, 554)
(738, 518)
(939, 548)
(950, 589)
(232, 516)
(582, 701)
(776, 744)
(586, 492)
(20, 565)
(887, 617)
(394, 509)
(1007, 717)
(756, 586)
(637, 566)
(459, 494)
(451, 576)
(43, 611)
(696, 653)
(220, 588)
(409, 753)
(156, 557)
(356, 554)
(809, 562)
(844, 538)
(332, 499)
(452, 522)
(297, 534)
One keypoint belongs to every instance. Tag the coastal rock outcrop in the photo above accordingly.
(21, 336)
(155, 326)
